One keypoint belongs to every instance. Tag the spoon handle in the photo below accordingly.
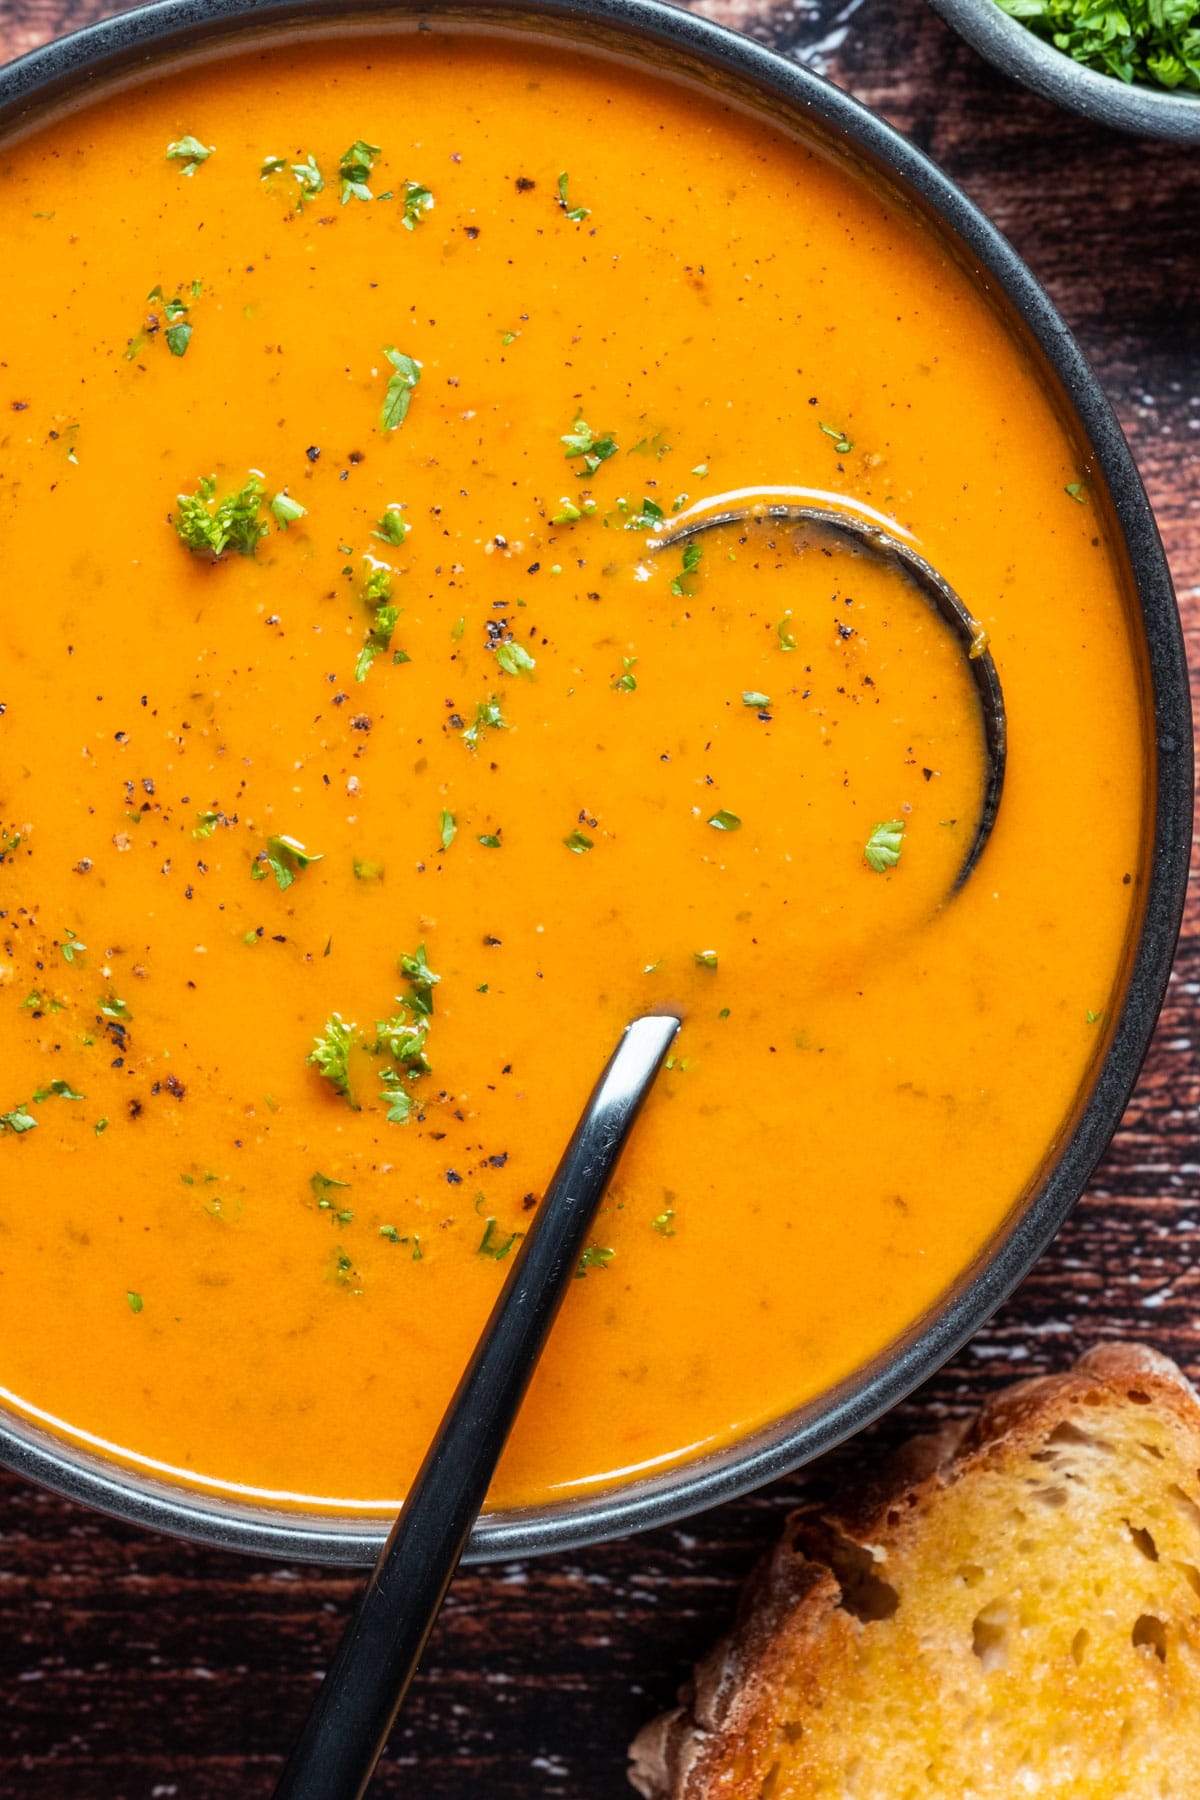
(363, 1691)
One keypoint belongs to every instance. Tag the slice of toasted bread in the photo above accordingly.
(1016, 1613)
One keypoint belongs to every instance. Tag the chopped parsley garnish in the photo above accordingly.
(1156, 41)
(20, 1119)
(664, 1224)
(179, 332)
(71, 946)
(399, 388)
(842, 443)
(307, 175)
(100, 1127)
(626, 681)
(648, 518)
(233, 523)
(287, 510)
(322, 1184)
(883, 847)
(488, 717)
(692, 554)
(190, 152)
(784, 630)
(397, 1100)
(725, 821)
(354, 170)
(1077, 491)
(286, 857)
(494, 1244)
(391, 528)
(449, 829)
(594, 1257)
(206, 824)
(579, 841)
(750, 697)
(330, 1054)
(135, 1301)
(420, 978)
(580, 442)
(113, 1007)
(570, 514)
(576, 214)
(378, 594)
(490, 841)
(514, 659)
(391, 1234)
(366, 870)
(63, 1089)
(707, 959)
(402, 1038)
(417, 202)
(656, 446)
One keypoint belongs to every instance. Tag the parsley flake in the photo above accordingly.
(391, 528)
(725, 821)
(570, 514)
(417, 202)
(399, 388)
(286, 857)
(190, 152)
(287, 510)
(488, 717)
(354, 170)
(449, 829)
(494, 1244)
(692, 555)
(330, 1054)
(883, 847)
(577, 214)
(580, 441)
(579, 842)
(232, 523)
(594, 1257)
(514, 659)
(842, 444)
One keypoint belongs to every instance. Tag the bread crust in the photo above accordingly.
(792, 1610)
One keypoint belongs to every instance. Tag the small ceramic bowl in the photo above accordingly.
(1033, 61)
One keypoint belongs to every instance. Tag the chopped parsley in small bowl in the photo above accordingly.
(1131, 64)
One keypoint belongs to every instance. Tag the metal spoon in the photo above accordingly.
(366, 1684)
(967, 630)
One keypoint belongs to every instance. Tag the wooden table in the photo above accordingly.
(132, 1666)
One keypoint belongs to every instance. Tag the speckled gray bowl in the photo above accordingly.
(136, 45)
(1031, 60)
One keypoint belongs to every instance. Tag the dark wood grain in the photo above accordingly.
(131, 1666)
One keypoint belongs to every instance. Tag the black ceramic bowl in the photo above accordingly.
(1127, 106)
(118, 51)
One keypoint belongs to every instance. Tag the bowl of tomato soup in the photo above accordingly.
(366, 766)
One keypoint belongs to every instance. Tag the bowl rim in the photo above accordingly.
(1039, 65)
(149, 35)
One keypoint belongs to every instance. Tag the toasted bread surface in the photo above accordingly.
(1016, 1612)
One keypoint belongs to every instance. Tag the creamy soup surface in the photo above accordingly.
(364, 767)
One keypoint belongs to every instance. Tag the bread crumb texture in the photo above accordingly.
(1016, 1613)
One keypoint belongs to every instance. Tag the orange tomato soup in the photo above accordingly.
(541, 305)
